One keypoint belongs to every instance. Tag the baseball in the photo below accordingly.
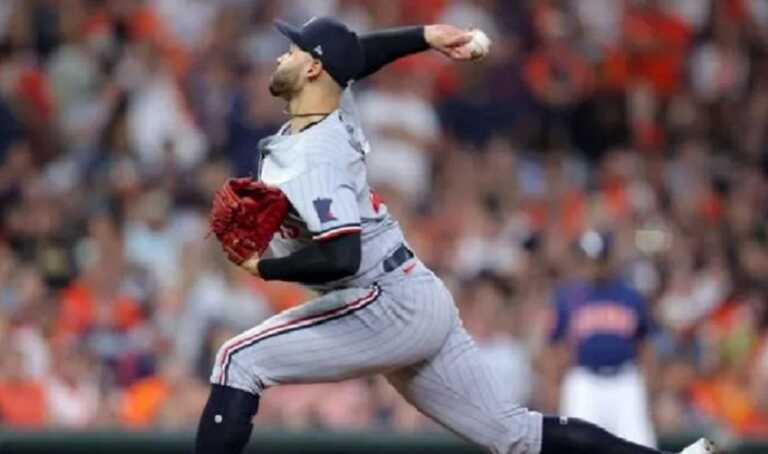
(480, 44)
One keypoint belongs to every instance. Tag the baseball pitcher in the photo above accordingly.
(309, 216)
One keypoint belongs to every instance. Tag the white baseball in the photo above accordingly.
(480, 44)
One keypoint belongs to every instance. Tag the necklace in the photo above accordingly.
(323, 114)
(308, 114)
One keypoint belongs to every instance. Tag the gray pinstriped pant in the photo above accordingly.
(405, 327)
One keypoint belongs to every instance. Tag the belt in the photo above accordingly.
(401, 255)
(609, 371)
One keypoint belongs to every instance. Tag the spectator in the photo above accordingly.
(72, 393)
(559, 77)
(22, 398)
(405, 141)
(491, 319)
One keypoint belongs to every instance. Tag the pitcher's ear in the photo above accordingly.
(314, 69)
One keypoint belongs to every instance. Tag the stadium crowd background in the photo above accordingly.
(119, 118)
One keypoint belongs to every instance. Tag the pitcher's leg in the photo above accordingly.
(460, 391)
(576, 436)
(343, 334)
(225, 425)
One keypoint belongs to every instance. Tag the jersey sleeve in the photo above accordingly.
(351, 120)
(326, 200)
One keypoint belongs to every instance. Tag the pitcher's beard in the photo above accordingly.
(282, 85)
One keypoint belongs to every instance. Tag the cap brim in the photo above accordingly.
(290, 32)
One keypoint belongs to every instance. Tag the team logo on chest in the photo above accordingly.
(323, 208)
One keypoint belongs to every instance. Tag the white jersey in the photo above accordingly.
(322, 172)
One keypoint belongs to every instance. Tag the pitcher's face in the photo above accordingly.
(290, 76)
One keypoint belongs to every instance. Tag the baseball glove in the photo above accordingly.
(245, 215)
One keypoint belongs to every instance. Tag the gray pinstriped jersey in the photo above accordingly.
(322, 172)
(405, 326)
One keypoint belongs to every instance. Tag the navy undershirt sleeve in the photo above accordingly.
(318, 263)
(385, 46)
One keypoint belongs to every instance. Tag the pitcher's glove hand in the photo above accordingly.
(245, 216)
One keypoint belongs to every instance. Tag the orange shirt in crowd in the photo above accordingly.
(547, 68)
(653, 51)
(573, 213)
(144, 25)
(79, 306)
(614, 191)
(33, 87)
(142, 401)
(727, 397)
(730, 404)
(421, 11)
(567, 213)
(22, 404)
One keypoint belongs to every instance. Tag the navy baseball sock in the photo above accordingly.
(577, 436)
(225, 425)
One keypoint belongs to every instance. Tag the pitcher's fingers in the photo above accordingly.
(460, 53)
(459, 39)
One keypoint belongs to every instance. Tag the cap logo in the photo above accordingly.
(318, 50)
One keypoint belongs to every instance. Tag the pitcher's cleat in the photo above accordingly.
(703, 446)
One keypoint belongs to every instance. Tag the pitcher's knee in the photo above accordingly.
(235, 369)
(508, 444)
(521, 434)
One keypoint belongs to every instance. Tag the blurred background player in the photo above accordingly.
(599, 336)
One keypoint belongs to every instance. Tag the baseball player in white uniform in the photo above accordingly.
(380, 310)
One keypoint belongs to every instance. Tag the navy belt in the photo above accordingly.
(401, 255)
(608, 371)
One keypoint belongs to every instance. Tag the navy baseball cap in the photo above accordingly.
(331, 42)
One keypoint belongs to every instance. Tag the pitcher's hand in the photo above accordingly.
(449, 40)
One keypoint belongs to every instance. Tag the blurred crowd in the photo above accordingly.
(119, 118)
